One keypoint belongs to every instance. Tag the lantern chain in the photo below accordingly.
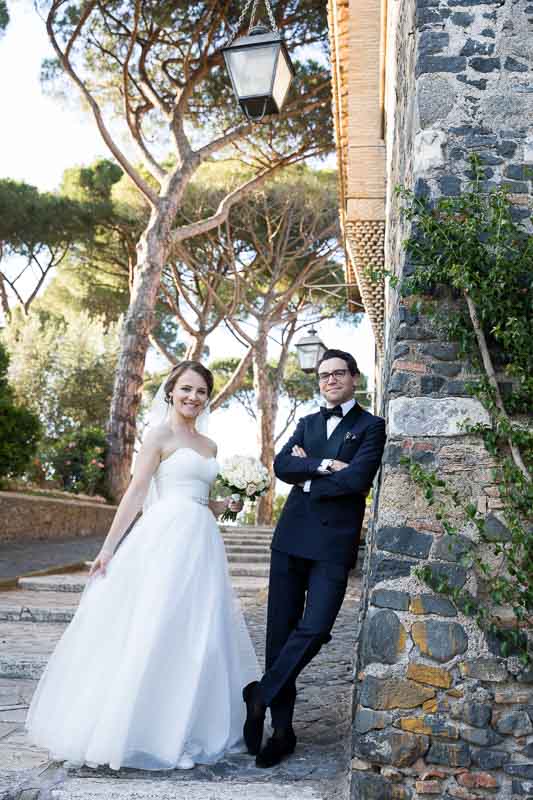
(247, 5)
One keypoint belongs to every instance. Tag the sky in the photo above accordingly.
(40, 137)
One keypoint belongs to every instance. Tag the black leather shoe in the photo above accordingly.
(255, 718)
(278, 747)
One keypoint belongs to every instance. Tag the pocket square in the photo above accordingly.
(351, 437)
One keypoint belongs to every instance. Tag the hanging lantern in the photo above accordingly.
(310, 350)
(260, 67)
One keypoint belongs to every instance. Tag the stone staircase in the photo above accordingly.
(53, 599)
(33, 615)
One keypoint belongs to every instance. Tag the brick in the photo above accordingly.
(477, 780)
(410, 366)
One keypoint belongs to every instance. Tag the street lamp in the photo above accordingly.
(259, 66)
(310, 350)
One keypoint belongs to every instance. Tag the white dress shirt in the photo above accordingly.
(331, 424)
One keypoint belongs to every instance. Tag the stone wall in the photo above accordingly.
(438, 712)
(27, 517)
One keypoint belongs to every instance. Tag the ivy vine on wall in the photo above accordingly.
(471, 247)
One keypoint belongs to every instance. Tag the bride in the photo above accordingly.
(150, 671)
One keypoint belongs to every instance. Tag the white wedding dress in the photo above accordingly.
(150, 671)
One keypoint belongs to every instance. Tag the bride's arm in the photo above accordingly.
(146, 464)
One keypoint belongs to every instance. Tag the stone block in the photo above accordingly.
(485, 65)
(383, 638)
(489, 759)
(433, 42)
(383, 694)
(492, 670)
(439, 640)
(518, 172)
(400, 351)
(368, 720)
(434, 416)
(384, 569)
(451, 548)
(516, 723)
(454, 576)
(430, 384)
(404, 541)
(388, 598)
(516, 694)
(462, 19)
(443, 351)
(436, 97)
(370, 786)
(448, 64)
(481, 737)
(477, 714)
(398, 748)
(432, 604)
(430, 726)
(512, 65)
(473, 47)
(519, 771)
(449, 754)
(432, 676)
(450, 369)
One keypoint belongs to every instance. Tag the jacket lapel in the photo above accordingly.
(333, 444)
(315, 439)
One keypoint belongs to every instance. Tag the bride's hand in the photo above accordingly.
(235, 505)
(99, 565)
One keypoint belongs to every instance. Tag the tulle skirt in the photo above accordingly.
(150, 671)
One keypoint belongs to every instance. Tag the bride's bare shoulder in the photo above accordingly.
(156, 436)
(210, 444)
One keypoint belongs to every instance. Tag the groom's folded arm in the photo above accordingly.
(357, 477)
(294, 469)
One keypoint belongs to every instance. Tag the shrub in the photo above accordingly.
(78, 461)
(19, 428)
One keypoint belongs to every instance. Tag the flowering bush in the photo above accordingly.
(78, 461)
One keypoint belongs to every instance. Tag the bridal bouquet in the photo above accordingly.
(246, 478)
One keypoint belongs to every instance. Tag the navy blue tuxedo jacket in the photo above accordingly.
(325, 523)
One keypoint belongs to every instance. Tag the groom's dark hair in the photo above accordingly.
(351, 363)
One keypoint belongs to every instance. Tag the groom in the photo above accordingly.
(331, 460)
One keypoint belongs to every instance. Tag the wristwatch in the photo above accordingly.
(326, 465)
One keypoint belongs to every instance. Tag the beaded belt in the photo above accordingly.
(204, 501)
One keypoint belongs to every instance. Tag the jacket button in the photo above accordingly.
(324, 522)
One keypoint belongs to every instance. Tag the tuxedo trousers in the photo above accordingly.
(304, 598)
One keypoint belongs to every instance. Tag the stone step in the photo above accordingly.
(246, 529)
(26, 648)
(27, 606)
(254, 570)
(248, 558)
(165, 789)
(246, 579)
(72, 583)
(240, 542)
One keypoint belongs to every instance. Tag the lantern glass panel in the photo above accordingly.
(252, 69)
(282, 80)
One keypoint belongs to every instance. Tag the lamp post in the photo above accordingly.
(310, 350)
(259, 66)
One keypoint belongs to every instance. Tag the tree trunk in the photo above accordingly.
(267, 411)
(138, 323)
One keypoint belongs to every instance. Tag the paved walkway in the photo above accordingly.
(19, 558)
(31, 621)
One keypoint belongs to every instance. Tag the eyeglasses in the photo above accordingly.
(338, 374)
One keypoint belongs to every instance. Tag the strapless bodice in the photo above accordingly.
(186, 473)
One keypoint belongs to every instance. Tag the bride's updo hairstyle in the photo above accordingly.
(178, 371)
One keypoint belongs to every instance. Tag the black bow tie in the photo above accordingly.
(331, 412)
